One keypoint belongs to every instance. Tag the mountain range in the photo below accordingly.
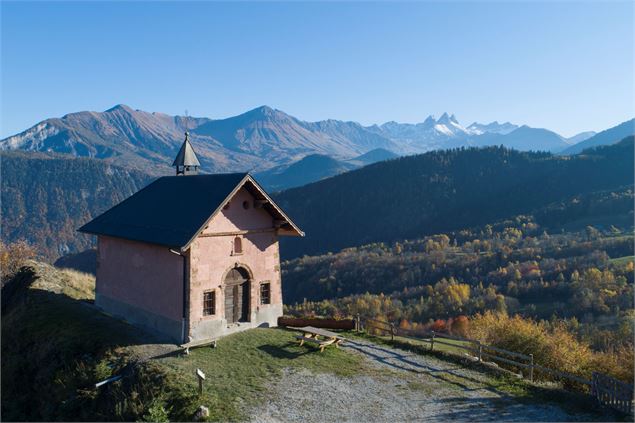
(260, 139)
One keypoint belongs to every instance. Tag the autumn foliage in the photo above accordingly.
(552, 345)
(12, 258)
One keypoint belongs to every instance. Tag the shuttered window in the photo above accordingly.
(209, 303)
(265, 293)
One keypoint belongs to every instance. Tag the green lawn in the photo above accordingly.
(453, 348)
(622, 260)
(238, 370)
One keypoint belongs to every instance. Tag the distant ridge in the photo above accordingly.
(373, 156)
(316, 167)
(607, 137)
(523, 138)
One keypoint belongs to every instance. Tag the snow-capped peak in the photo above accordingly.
(492, 127)
(448, 125)
(444, 119)
(429, 122)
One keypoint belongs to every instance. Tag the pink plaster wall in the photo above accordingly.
(211, 257)
(236, 218)
(143, 275)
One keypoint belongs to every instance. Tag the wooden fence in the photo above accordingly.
(612, 392)
(605, 389)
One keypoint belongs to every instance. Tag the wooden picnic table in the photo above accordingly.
(322, 338)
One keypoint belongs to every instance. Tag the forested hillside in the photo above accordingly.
(387, 267)
(513, 266)
(45, 198)
(443, 191)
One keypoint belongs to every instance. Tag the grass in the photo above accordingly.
(454, 346)
(239, 369)
(621, 261)
(62, 346)
(55, 342)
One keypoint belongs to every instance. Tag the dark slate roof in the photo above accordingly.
(186, 155)
(170, 211)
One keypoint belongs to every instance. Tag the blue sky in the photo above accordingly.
(566, 66)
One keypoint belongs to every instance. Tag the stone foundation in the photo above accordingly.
(266, 316)
(158, 325)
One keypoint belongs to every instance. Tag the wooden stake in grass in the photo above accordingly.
(201, 376)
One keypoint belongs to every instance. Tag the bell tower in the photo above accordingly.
(186, 161)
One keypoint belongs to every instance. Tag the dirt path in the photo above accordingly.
(401, 386)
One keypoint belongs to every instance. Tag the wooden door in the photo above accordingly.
(244, 303)
(237, 296)
(229, 303)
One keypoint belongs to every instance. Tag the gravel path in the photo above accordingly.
(400, 386)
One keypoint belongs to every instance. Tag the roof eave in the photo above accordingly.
(296, 229)
(142, 241)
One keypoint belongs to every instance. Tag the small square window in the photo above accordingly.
(265, 293)
(209, 303)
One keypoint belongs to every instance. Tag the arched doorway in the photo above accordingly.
(237, 295)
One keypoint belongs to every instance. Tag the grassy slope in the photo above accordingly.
(58, 345)
(53, 342)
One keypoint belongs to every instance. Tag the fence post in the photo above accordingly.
(531, 367)
(432, 342)
(392, 332)
(357, 324)
(480, 351)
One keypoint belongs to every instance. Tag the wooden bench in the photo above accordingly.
(195, 344)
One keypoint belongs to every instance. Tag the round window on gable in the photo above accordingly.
(245, 204)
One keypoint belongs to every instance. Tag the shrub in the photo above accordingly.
(156, 413)
(439, 326)
(460, 326)
(12, 258)
(552, 346)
